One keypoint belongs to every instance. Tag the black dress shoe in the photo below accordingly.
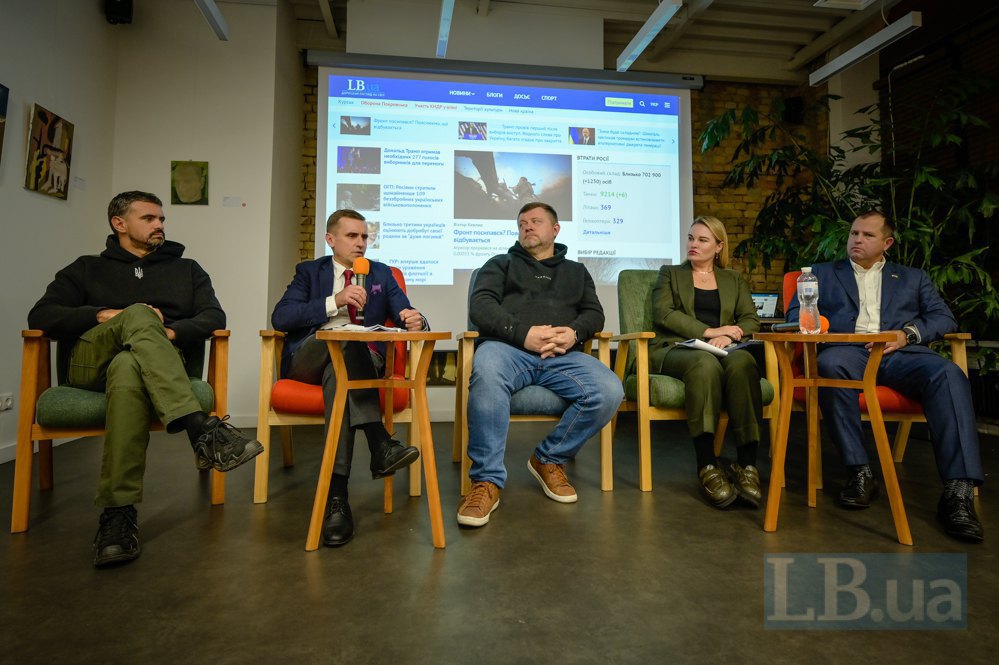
(957, 515)
(338, 523)
(389, 456)
(861, 488)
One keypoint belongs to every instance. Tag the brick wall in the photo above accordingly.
(736, 207)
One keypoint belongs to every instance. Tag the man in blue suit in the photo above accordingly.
(867, 294)
(323, 295)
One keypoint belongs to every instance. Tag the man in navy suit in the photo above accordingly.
(867, 294)
(322, 295)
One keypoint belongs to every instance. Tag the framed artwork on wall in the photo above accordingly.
(189, 183)
(50, 153)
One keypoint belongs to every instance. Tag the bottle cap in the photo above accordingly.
(806, 269)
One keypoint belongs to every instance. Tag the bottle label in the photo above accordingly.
(808, 290)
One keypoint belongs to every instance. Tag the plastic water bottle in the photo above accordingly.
(808, 302)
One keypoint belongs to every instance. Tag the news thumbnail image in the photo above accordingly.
(495, 185)
(354, 159)
(356, 196)
(356, 125)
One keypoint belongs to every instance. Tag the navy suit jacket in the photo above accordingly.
(907, 297)
(302, 309)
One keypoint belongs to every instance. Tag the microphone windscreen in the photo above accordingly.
(823, 324)
(361, 266)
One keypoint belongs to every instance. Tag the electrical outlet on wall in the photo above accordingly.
(6, 401)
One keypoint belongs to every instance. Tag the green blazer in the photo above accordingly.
(673, 306)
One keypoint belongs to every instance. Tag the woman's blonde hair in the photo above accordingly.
(718, 231)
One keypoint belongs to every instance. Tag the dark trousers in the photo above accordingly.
(311, 364)
(712, 384)
(920, 374)
(130, 359)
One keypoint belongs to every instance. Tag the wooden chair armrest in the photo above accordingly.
(628, 337)
(271, 333)
(603, 334)
(26, 334)
(218, 369)
(468, 334)
(959, 349)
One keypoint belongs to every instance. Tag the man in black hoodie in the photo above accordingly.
(534, 309)
(129, 313)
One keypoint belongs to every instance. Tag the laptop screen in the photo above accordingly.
(766, 305)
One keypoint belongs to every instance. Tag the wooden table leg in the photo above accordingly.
(783, 427)
(892, 488)
(812, 418)
(426, 436)
(329, 449)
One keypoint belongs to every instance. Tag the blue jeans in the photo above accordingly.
(500, 370)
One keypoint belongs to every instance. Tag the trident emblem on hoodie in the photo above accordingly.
(138, 273)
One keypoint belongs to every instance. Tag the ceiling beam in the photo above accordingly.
(838, 33)
(327, 12)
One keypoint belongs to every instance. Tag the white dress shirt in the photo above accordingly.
(338, 316)
(869, 288)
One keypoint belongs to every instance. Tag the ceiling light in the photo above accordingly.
(444, 31)
(867, 48)
(657, 21)
(214, 17)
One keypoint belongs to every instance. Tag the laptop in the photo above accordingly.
(766, 304)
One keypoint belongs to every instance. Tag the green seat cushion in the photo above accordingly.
(665, 392)
(62, 406)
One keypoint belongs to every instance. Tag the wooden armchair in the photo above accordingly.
(656, 396)
(531, 404)
(47, 412)
(284, 403)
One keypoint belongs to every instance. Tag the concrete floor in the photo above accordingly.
(619, 577)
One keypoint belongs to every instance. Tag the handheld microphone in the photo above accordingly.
(361, 269)
(794, 326)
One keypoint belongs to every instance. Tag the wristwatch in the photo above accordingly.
(911, 334)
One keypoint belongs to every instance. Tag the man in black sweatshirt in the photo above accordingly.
(534, 308)
(129, 313)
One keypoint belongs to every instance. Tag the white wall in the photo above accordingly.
(287, 204)
(163, 88)
(60, 54)
(185, 95)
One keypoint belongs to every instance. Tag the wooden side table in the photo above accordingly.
(422, 345)
(783, 345)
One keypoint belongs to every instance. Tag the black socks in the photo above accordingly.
(746, 454)
(704, 448)
(375, 432)
(338, 486)
(192, 423)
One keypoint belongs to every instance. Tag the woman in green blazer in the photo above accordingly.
(702, 299)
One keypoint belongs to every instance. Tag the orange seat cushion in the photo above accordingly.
(306, 399)
(890, 401)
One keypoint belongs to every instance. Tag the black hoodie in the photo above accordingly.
(178, 287)
(515, 291)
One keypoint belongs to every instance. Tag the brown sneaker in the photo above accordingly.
(553, 480)
(478, 504)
